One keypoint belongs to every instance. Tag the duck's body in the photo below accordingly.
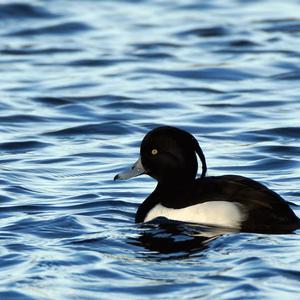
(168, 154)
(228, 201)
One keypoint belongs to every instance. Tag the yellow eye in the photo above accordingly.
(154, 151)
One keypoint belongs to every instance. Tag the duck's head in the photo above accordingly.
(167, 154)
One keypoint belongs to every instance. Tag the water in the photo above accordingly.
(81, 83)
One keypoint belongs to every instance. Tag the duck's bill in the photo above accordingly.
(136, 170)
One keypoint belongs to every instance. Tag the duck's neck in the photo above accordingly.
(174, 194)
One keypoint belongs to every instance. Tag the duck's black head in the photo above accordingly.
(168, 154)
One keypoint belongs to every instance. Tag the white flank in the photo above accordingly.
(219, 213)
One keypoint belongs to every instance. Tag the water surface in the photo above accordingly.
(81, 83)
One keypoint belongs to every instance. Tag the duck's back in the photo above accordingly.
(264, 210)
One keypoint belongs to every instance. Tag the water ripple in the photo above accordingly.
(22, 146)
(60, 29)
(217, 31)
(209, 74)
(82, 83)
(100, 128)
(23, 11)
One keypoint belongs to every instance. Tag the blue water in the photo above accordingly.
(81, 83)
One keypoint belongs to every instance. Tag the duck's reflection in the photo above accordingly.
(163, 236)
